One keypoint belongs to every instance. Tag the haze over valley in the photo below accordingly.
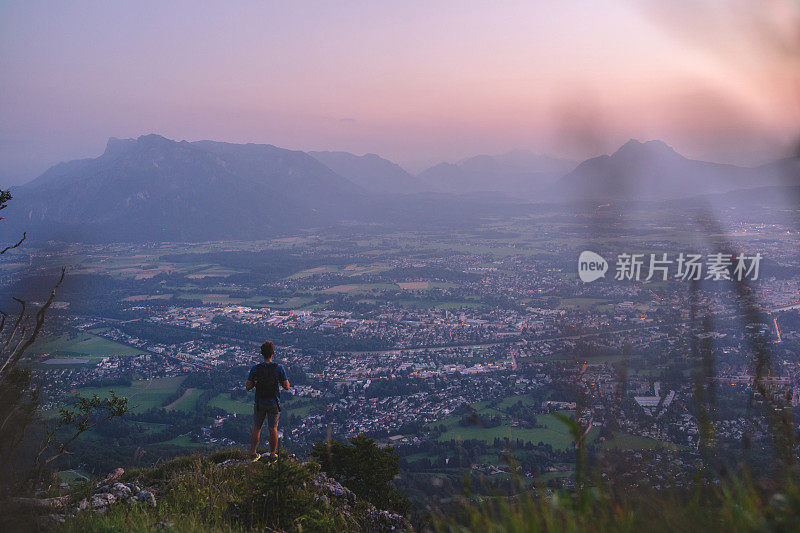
(155, 189)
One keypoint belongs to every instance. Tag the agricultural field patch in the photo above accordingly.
(81, 344)
(143, 394)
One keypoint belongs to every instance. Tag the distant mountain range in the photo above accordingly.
(371, 172)
(518, 173)
(654, 171)
(153, 188)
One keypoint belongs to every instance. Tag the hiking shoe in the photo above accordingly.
(256, 457)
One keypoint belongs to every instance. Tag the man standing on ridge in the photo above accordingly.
(265, 378)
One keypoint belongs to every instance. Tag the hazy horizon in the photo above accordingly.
(412, 82)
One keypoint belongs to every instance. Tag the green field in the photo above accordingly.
(298, 406)
(581, 303)
(547, 476)
(220, 298)
(358, 288)
(295, 302)
(555, 433)
(61, 362)
(183, 441)
(142, 395)
(505, 403)
(187, 402)
(224, 402)
(83, 344)
(214, 271)
(326, 269)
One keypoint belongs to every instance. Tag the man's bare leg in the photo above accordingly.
(254, 438)
(273, 440)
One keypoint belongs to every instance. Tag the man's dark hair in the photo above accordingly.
(267, 349)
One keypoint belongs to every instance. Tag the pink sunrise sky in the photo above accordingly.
(415, 81)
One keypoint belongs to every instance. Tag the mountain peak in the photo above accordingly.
(634, 146)
(152, 188)
(153, 139)
(115, 146)
(651, 170)
(370, 172)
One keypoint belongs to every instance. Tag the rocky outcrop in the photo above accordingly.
(345, 499)
(318, 490)
(107, 495)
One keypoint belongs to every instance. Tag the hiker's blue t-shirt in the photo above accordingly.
(280, 374)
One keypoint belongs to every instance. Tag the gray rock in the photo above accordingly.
(102, 500)
(121, 491)
(332, 487)
(380, 520)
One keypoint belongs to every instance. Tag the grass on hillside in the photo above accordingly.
(199, 493)
(733, 504)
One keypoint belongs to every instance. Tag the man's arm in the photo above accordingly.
(251, 379)
(282, 379)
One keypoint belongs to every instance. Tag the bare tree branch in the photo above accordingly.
(39, 322)
(47, 503)
(20, 320)
(7, 248)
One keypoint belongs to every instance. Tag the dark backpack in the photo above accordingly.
(267, 380)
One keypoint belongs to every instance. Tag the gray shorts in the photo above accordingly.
(272, 412)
